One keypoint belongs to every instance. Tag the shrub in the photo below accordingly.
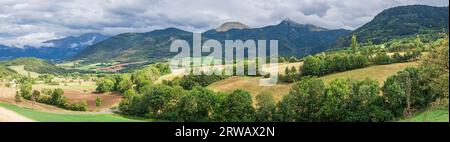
(98, 101)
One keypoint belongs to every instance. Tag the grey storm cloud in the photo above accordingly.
(26, 22)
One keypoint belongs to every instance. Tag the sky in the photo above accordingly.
(30, 22)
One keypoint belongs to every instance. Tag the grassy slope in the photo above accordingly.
(434, 115)
(20, 69)
(54, 117)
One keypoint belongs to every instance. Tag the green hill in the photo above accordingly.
(35, 65)
(401, 22)
(5, 71)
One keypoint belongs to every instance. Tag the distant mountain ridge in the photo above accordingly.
(294, 40)
(400, 22)
(64, 48)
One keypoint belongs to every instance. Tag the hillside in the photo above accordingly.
(400, 22)
(35, 65)
(294, 40)
(4, 71)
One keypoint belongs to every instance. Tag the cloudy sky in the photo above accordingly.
(30, 22)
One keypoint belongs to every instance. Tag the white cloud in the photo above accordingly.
(24, 22)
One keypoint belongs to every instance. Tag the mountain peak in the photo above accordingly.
(288, 21)
(311, 27)
(231, 25)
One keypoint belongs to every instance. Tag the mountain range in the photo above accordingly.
(57, 49)
(294, 40)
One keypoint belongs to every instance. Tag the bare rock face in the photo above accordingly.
(231, 25)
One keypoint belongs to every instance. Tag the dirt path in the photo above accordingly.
(10, 116)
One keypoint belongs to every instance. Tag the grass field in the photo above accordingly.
(378, 72)
(56, 117)
(434, 115)
(21, 70)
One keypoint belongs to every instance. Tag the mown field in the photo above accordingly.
(60, 117)
(377, 72)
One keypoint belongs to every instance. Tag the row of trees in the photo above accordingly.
(52, 97)
(308, 100)
(199, 104)
(139, 78)
(324, 64)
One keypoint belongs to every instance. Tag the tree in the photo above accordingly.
(309, 92)
(287, 109)
(196, 106)
(126, 105)
(418, 43)
(312, 66)
(335, 100)
(158, 101)
(237, 107)
(25, 90)
(354, 44)
(17, 97)
(98, 101)
(124, 83)
(105, 85)
(35, 95)
(57, 98)
(437, 65)
(266, 107)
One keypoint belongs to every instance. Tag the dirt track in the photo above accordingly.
(10, 116)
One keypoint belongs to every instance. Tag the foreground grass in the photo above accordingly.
(56, 117)
(434, 115)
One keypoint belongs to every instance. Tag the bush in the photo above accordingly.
(98, 101)
(78, 107)
(17, 97)
(382, 59)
